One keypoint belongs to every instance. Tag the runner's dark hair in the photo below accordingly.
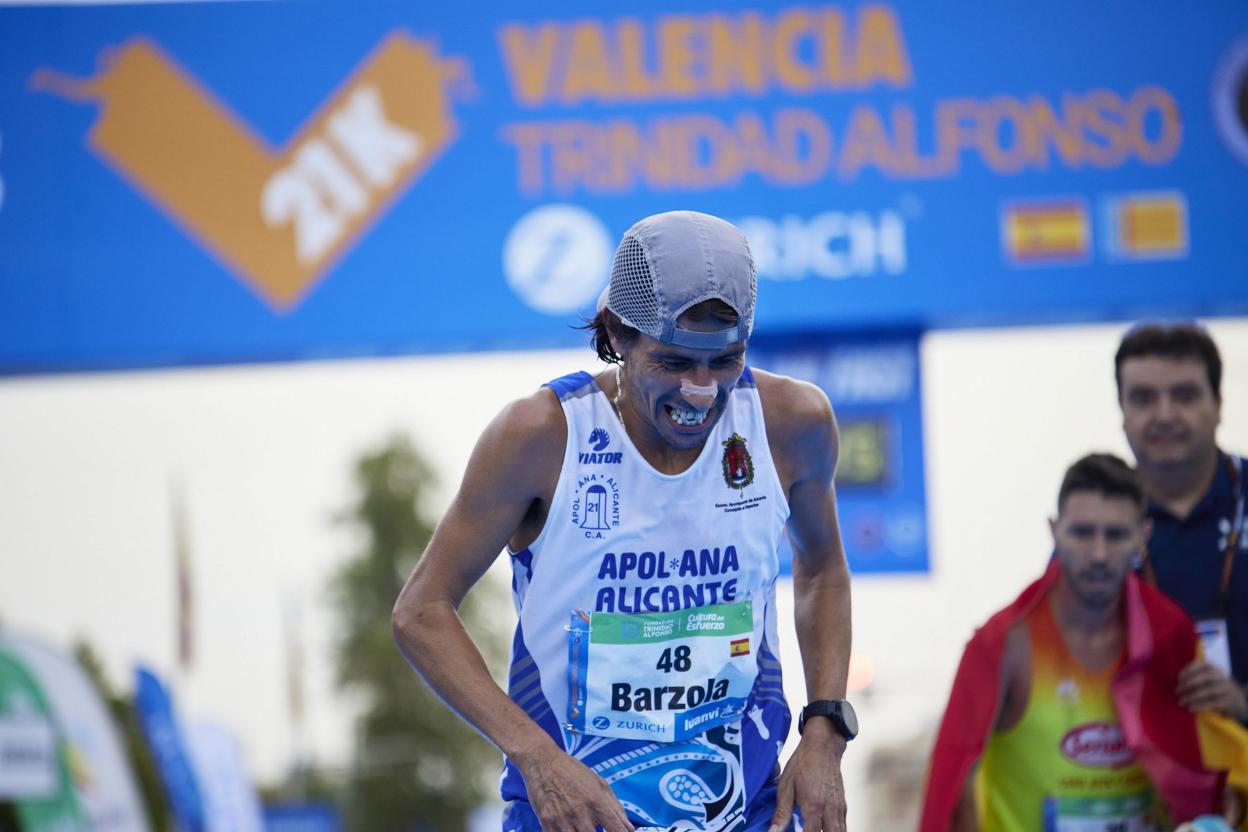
(601, 327)
(1103, 474)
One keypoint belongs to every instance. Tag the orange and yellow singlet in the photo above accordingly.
(1065, 767)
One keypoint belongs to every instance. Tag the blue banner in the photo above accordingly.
(302, 817)
(223, 182)
(165, 740)
(874, 384)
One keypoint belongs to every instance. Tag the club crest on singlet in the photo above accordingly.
(596, 505)
(738, 467)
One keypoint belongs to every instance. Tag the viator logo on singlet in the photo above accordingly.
(599, 439)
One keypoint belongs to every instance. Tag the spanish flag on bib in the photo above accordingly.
(1189, 758)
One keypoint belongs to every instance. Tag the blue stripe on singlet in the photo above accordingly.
(524, 686)
(566, 386)
(759, 749)
(525, 559)
(770, 682)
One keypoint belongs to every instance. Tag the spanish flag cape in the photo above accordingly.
(1189, 758)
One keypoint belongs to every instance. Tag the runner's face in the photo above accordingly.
(652, 376)
(1169, 411)
(1096, 538)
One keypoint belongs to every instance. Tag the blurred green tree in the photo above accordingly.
(416, 765)
(121, 708)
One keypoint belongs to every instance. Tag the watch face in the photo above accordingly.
(850, 718)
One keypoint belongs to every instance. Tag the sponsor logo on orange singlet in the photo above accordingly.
(1097, 745)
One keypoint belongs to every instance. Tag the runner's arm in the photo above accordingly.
(808, 447)
(1013, 691)
(515, 463)
(965, 818)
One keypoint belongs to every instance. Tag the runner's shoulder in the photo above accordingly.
(526, 438)
(535, 419)
(795, 409)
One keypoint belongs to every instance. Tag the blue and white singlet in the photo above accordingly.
(646, 645)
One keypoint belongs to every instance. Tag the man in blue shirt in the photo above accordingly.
(1169, 388)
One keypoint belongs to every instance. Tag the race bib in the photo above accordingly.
(1122, 813)
(663, 676)
(1213, 639)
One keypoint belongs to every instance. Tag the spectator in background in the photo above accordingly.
(1169, 387)
(1064, 712)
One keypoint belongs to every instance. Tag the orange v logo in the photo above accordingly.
(277, 218)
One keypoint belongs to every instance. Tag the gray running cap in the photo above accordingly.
(669, 262)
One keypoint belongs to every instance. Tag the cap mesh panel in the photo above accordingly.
(632, 294)
(747, 321)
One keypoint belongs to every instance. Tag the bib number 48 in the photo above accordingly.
(675, 658)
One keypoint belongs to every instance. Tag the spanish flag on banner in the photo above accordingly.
(1051, 231)
(739, 647)
(1147, 226)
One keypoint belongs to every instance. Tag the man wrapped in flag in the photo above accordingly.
(1065, 713)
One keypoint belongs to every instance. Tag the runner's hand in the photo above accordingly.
(1203, 687)
(1233, 806)
(811, 781)
(568, 797)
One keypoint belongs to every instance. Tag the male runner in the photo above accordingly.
(1064, 714)
(1170, 390)
(642, 509)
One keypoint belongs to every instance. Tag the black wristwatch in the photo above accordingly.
(844, 720)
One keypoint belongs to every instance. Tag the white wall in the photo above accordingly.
(265, 455)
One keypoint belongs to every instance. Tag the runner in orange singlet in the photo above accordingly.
(1064, 758)
(1064, 716)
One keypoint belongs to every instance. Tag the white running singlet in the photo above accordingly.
(646, 645)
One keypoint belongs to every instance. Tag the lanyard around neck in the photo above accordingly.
(1229, 547)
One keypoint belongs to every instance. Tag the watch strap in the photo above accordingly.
(833, 709)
